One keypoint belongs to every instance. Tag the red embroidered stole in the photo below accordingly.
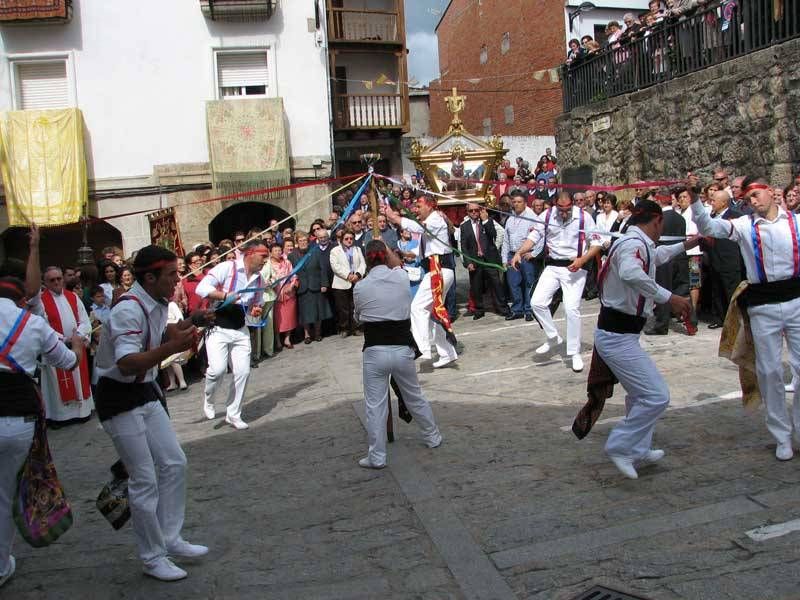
(438, 310)
(67, 390)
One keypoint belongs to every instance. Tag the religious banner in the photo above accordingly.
(247, 145)
(43, 166)
(35, 10)
(164, 230)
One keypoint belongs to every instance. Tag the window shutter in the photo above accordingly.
(42, 85)
(241, 69)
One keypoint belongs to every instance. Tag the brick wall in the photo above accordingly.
(536, 34)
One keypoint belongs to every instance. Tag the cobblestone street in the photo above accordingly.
(510, 506)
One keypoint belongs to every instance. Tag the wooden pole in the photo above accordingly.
(373, 204)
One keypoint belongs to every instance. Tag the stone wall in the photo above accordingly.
(742, 114)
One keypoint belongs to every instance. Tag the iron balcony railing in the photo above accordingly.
(378, 111)
(679, 45)
(352, 25)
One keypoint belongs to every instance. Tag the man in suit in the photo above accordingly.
(725, 261)
(674, 275)
(478, 241)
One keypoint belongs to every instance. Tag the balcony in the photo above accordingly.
(237, 10)
(378, 111)
(24, 12)
(364, 26)
(677, 46)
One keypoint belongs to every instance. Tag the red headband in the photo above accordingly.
(4, 285)
(756, 186)
(159, 264)
(377, 256)
(255, 251)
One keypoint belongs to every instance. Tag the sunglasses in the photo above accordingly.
(239, 240)
(720, 178)
(356, 222)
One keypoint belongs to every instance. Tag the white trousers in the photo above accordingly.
(770, 324)
(647, 393)
(221, 345)
(422, 326)
(147, 445)
(15, 440)
(381, 362)
(571, 285)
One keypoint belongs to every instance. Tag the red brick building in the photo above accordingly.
(498, 44)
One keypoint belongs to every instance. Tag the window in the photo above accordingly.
(505, 43)
(484, 54)
(40, 84)
(487, 127)
(508, 113)
(243, 73)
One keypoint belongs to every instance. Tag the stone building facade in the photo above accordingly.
(741, 114)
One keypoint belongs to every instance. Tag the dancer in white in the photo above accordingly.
(130, 409)
(568, 248)
(383, 307)
(768, 240)
(628, 291)
(230, 338)
(428, 315)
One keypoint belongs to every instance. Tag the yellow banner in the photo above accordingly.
(43, 165)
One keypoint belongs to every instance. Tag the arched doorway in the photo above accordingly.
(244, 216)
(59, 245)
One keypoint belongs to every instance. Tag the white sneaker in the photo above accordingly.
(437, 441)
(446, 360)
(547, 346)
(651, 458)
(784, 451)
(577, 363)
(12, 566)
(789, 388)
(208, 409)
(236, 422)
(368, 464)
(165, 570)
(625, 466)
(183, 549)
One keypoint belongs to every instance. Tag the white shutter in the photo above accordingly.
(42, 85)
(239, 69)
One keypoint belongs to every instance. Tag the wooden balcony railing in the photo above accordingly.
(384, 111)
(351, 25)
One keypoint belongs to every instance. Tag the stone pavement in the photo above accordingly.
(510, 506)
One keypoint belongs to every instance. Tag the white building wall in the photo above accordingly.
(143, 72)
(606, 11)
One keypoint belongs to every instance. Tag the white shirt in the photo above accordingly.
(623, 282)
(82, 326)
(126, 333)
(778, 248)
(516, 230)
(438, 240)
(37, 338)
(691, 229)
(230, 276)
(605, 221)
(562, 237)
(382, 296)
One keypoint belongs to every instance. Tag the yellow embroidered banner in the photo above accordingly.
(43, 166)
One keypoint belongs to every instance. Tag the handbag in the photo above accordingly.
(41, 510)
(414, 273)
(113, 502)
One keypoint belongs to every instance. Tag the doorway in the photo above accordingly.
(243, 217)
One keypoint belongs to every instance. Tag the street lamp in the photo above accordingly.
(584, 7)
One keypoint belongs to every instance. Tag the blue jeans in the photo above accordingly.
(521, 283)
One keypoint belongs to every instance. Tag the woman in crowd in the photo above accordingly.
(286, 301)
(179, 297)
(21, 401)
(605, 219)
(174, 363)
(263, 341)
(623, 214)
(407, 197)
(313, 307)
(126, 281)
(348, 266)
(109, 278)
(194, 261)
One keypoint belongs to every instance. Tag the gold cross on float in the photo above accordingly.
(455, 104)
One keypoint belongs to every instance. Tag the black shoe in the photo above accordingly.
(253, 364)
(513, 317)
(714, 325)
(469, 313)
(529, 317)
(655, 331)
(478, 315)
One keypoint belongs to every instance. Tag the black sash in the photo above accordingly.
(390, 333)
(772, 292)
(615, 321)
(19, 395)
(446, 261)
(114, 397)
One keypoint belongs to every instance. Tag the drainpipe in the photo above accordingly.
(320, 10)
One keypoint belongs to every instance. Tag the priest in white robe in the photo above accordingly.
(67, 394)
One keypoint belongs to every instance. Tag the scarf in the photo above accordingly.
(438, 310)
(599, 387)
(736, 344)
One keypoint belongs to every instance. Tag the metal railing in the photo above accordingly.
(363, 25)
(379, 111)
(677, 46)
